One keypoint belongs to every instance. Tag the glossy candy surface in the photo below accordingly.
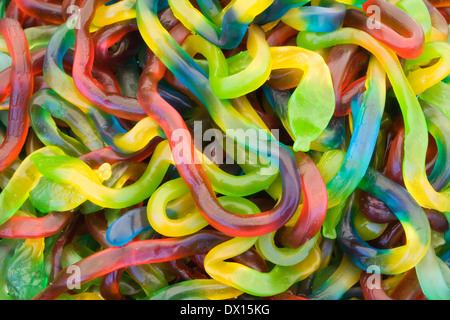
(224, 150)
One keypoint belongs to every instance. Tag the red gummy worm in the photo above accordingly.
(287, 296)
(21, 91)
(183, 271)
(408, 288)
(375, 210)
(372, 292)
(134, 253)
(396, 28)
(45, 11)
(32, 228)
(109, 35)
(345, 62)
(106, 79)
(395, 159)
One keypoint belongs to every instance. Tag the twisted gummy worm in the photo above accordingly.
(21, 89)
(103, 166)
(416, 139)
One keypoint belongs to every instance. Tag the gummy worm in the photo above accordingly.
(134, 253)
(21, 90)
(42, 10)
(416, 138)
(365, 131)
(278, 280)
(324, 18)
(411, 216)
(45, 104)
(196, 289)
(202, 192)
(407, 38)
(115, 104)
(238, 15)
(34, 228)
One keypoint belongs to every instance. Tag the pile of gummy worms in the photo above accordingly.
(333, 117)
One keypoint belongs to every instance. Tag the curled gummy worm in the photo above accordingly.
(70, 170)
(107, 125)
(116, 104)
(411, 216)
(228, 86)
(63, 84)
(406, 37)
(306, 125)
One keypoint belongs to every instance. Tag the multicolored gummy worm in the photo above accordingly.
(224, 150)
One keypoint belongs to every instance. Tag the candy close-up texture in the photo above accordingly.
(224, 150)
